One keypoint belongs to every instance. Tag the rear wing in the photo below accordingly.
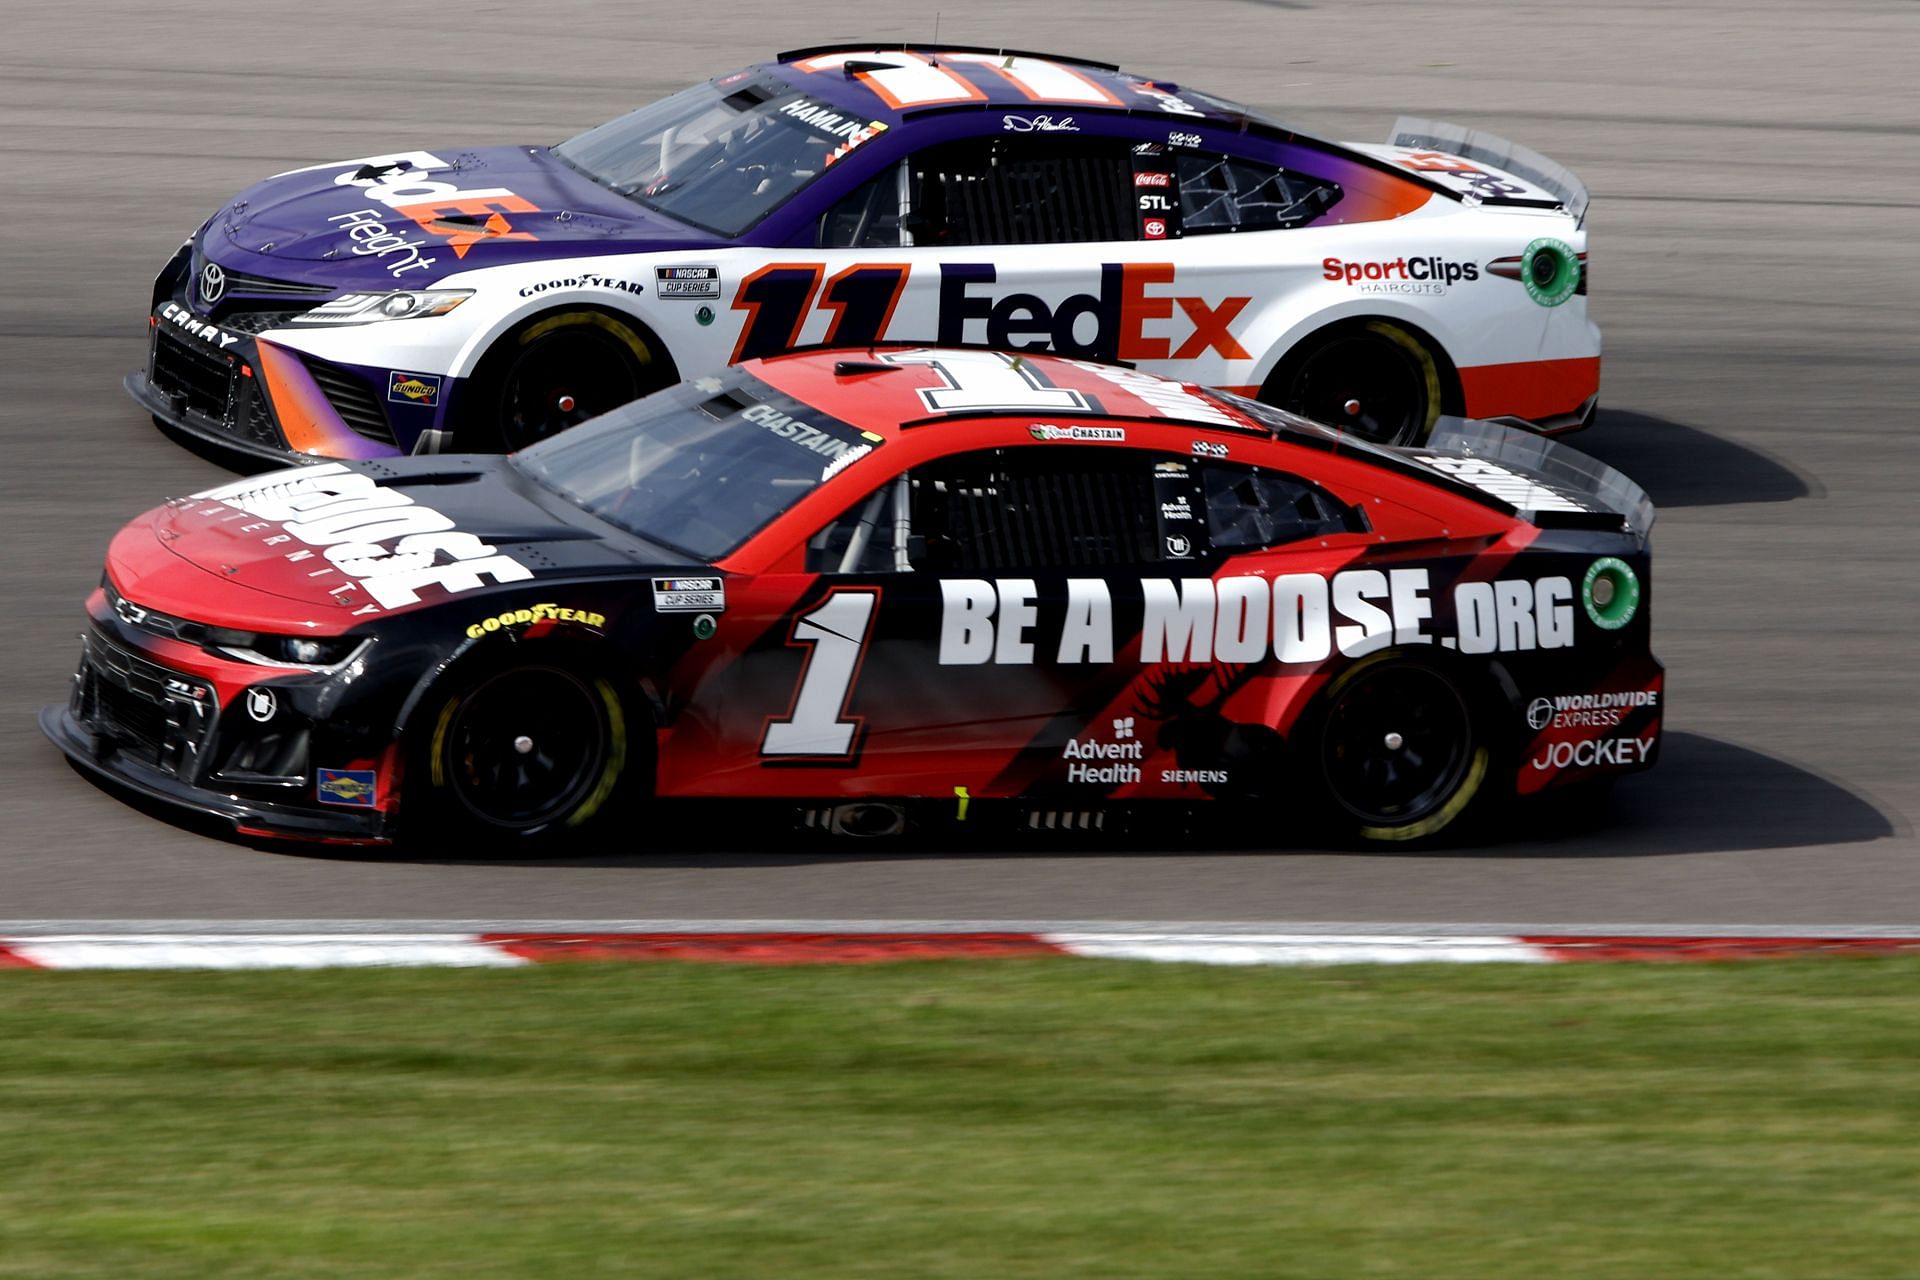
(1493, 150)
(1546, 483)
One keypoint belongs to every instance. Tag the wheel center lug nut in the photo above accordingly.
(1394, 741)
(1352, 407)
(523, 744)
(566, 403)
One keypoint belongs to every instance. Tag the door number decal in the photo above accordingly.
(817, 726)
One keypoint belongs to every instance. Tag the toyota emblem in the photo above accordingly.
(213, 283)
(261, 704)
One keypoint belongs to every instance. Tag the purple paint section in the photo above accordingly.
(354, 227)
(500, 204)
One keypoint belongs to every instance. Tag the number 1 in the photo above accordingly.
(817, 725)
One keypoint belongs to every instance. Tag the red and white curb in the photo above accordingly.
(233, 946)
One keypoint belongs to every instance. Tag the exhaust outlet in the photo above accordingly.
(867, 820)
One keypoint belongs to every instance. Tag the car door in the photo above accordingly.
(1000, 601)
(954, 628)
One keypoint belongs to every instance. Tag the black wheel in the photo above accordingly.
(557, 373)
(1375, 380)
(1399, 754)
(523, 754)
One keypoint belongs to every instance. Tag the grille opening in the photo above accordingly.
(260, 423)
(241, 282)
(189, 373)
(137, 723)
(274, 758)
(352, 399)
(131, 705)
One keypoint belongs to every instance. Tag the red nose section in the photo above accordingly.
(201, 566)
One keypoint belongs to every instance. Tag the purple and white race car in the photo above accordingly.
(484, 300)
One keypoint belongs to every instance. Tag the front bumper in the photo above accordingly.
(248, 817)
(168, 411)
(155, 730)
(210, 375)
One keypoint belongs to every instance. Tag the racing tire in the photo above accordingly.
(1375, 379)
(555, 373)
(518, 757)
(1397, 752)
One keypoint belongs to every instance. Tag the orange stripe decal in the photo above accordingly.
(306, 419)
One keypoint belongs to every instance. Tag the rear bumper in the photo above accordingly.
(98, 757)
(1548, 396)
(1606, 730)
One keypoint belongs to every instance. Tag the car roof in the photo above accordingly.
(893, 390)
(896, 81)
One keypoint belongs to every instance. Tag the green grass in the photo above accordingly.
(1037, 1118)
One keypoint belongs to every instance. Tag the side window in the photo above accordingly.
(1000, 509)
(1023, 188)
(870, 217)
(1053, 507)
(872, 536)
(1221, 194)
(1249, 507)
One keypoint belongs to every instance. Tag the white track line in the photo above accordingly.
(281, 945)
(761, 924)
(1297, 949)
(261, 951)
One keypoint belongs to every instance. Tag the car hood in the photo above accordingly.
(407, 219)
(323, 549)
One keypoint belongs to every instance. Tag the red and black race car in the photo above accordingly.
(880, 585)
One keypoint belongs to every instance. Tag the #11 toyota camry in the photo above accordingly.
(878, 585)
(848, 195)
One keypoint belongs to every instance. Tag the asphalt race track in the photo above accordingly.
(1755, 170)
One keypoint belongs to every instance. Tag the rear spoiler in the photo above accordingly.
(1546, 483)
(1492, 149)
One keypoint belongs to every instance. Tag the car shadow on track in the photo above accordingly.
(1705, 796)
(1682, 466)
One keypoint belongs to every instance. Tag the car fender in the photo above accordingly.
(474, 635)
(623, 285)
(1302, 324)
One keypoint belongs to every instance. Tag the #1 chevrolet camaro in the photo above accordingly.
(849, 195)
(874, 586)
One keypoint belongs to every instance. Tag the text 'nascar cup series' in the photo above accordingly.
(852, 195)
(882, 585)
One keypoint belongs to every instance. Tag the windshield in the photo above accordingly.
(699, 468)
(718, 159)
